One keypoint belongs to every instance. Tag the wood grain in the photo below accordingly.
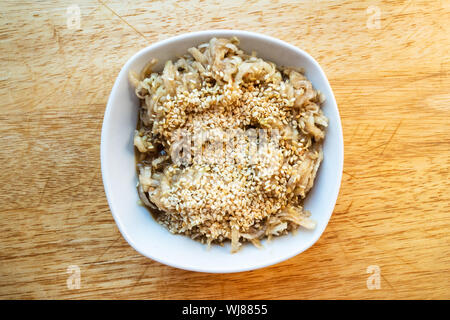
(392, 86)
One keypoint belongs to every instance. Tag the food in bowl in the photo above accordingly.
(227, 144)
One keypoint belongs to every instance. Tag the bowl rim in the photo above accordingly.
(215, 33)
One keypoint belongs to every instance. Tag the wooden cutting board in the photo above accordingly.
(388, 64)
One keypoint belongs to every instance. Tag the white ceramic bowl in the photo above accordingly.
(119, 176)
